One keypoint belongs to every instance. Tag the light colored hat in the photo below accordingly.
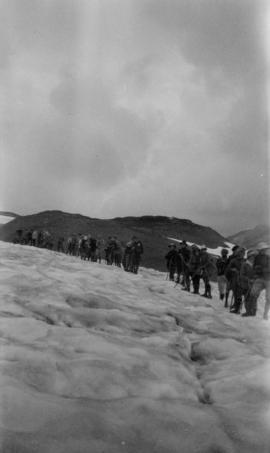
(262, 246)
(203, 247)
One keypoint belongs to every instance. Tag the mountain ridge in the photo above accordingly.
(153, 231)
(250, 238)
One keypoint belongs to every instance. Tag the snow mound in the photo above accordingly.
(96, 359)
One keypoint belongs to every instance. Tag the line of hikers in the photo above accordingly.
(244, 277)
(190, 264)
(37, 238)
(88, 248)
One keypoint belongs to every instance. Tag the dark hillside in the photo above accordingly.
(153, 231)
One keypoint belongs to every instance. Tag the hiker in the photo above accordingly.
(47, 240)
(247, 276)
(179, 267)
(93, 248)
(117, 252)
(35, 238)
(40, 239)
(28, 237)
(233, 271)
(207, 269)
(171, 261)
(108, 250)
(194, 266)
(83, 247)
(74, 244)
(60, 244)
(127, 256)
(135, 255)
(79, 245)
(261, 267)
(185, 253)
(99, 247)
(19, 237)
(229, 274)
(69, 246)
(113, 249)
(221, 265)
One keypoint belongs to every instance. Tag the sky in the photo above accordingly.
(132, 107)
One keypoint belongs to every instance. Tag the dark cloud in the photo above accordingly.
(130, 107)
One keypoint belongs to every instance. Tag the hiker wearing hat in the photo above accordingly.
(127, 256)
(233, 271)
(185, 254)
(221, 265)
(194, 268)
(135, 256)
(261, 268)
(171, 258)
(247, 278)
(229, 275)
(207, 269)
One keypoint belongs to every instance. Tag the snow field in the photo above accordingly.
(96, 359)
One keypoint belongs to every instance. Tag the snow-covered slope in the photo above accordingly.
(5, 219)
(97, 360)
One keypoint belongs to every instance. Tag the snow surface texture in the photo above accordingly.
(97, 360)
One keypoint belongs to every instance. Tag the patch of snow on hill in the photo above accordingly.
(94, 359)
(5, 219)
(216, 251)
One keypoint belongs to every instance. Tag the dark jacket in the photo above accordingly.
(221, 265)
(207, 265)
(233, 269)
(246, 275)
(171, 258)
(185, 253)
(261, 266)
(195, 264)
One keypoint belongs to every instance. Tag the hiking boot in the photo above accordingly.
(246, 314)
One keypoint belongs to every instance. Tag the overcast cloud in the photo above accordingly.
(132, 107)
